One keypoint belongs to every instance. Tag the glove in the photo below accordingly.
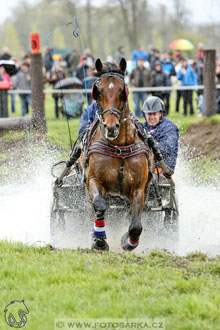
(169, 173)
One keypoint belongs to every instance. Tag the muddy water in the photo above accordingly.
(25, 213)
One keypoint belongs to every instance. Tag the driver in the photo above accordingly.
(164, 131)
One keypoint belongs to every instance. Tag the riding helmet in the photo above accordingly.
(153, 104)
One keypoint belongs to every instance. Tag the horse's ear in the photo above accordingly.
(98, 65)
(94, 92)
(122, 65)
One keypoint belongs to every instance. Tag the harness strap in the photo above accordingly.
(121, 176)
(108, 149)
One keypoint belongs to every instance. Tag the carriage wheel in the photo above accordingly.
(171, 220)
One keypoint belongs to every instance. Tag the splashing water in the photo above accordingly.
(25, 213)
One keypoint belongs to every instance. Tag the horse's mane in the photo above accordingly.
(108, 67)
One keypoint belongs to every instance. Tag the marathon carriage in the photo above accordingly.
(116, 181)
(72, 213)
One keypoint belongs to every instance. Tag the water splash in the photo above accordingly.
(25, 212)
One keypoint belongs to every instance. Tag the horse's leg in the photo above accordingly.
(130, 240)
(99, 235)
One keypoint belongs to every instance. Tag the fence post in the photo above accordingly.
(209, 81)
(3, 103)
(37, 86)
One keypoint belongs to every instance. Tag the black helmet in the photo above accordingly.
(153, 104)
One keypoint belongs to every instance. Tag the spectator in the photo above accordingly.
(4, 75)
(120, 54)
(140, 77)
(139, 53)
(169, 70)
(90, 58)
(150, 53)
(172, 58)
(5, 54)
(72, 60)
(160, 79)
(187, 76)
(56, 75)
(22, 81)
(27, 58)
(81, 69)
(200, 99)
(48, 60)
(200, 51)
(178, 56)
(154, 58)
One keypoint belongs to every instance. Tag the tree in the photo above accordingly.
(11, 39)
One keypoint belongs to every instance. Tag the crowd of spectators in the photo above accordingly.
(147, 69)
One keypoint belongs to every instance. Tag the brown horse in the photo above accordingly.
(118, 162)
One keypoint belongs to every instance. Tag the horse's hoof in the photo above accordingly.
(99, 244)
(127, 244)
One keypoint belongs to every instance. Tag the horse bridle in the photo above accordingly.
(114, 111)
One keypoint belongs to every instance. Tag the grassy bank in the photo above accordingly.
(73, 284)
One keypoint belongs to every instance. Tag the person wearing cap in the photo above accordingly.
(164, 131)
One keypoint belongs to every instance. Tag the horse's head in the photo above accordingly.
(110, 92)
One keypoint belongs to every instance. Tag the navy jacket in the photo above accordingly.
(88, 113)
(166, 134)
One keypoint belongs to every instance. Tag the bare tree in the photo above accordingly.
(89, 24)
(181, 14)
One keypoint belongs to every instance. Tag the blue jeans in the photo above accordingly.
(139, 97)
(25, 101)
(12, 103)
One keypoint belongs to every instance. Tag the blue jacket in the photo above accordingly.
(166, 134)
(188, 78)
(88, 113)
(168, 67)
(138, 54)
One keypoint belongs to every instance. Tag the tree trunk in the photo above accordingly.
(39, 120)
(135, 41)
(209, 82)
(89, 24)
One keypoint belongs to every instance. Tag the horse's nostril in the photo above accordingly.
(105, 125)
(117, 126)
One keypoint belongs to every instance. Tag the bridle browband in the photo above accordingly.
(114, 111)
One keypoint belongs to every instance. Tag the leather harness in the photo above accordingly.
(104, 147)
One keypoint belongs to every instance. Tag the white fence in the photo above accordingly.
(131, 89)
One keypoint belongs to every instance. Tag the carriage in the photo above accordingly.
(71, 214)
(114, 177)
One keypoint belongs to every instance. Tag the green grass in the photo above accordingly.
(73, 284)
(206, 169)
